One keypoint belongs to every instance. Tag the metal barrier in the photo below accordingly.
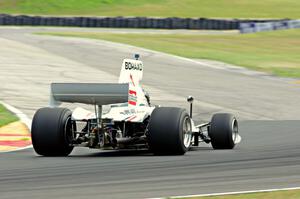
(268, 26)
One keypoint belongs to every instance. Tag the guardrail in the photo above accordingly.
(126, 22)
(268, 26)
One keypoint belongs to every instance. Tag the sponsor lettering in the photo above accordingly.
(132, 112)
(133, 66)
(132, 98)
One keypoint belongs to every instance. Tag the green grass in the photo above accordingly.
(6, 117)
(275, 52)
(25, 139)
(161, 8)
(294, 194)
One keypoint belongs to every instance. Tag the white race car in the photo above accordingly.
(123, 118)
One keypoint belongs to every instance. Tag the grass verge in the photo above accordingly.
(275, 52)
(161, 8)
(6, 117)
(292, 194)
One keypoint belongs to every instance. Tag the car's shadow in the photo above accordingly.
(90, 153)
(110, 153)
(126, 153)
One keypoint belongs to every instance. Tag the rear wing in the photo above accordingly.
(88, 93)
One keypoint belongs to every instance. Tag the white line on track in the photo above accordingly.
(23, 118)
(232, 193)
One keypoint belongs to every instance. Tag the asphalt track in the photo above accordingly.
(268, 157)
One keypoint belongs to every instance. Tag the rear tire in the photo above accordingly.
(52, 132)
(169, 131)
(223, 131)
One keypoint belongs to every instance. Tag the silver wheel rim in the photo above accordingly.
(68, 132)
(187, 132)
(234, 130)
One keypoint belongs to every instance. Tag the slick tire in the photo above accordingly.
(169, 131)
(52, 132)
(223, 131)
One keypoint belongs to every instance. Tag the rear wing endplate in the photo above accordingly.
(88, 93)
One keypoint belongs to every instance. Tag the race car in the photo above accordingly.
(123, 118)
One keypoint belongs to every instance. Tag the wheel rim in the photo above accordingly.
(187, 132)
(234, 130)
(69, 131)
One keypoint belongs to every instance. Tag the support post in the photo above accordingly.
(190, 100)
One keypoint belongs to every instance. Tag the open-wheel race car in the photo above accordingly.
(123, 118)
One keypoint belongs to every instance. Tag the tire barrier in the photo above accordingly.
(127, 22)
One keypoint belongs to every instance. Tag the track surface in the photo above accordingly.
(268, 157)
